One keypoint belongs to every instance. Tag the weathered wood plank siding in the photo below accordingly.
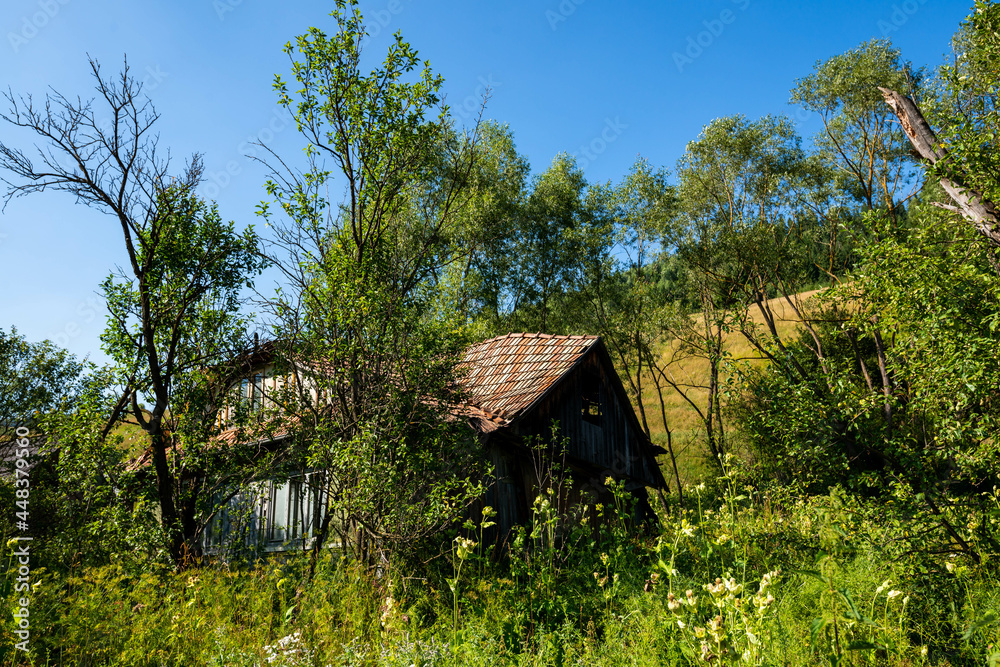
(506, 493)
(610, 447)
(519, 385)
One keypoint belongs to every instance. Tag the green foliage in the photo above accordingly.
(88, 507)
(860, 141)
(174, 322)
(905, 390)
(966, 111)
(85, 507)
(862, 528)
(34, 379)
(477, 285)
(556, 233)
(754, 575)
(363, 325)
(735, 243)
(173, 309)
(891, 386)
(738, 187)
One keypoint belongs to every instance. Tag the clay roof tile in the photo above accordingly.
(505, 375)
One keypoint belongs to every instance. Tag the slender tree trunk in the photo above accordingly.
(670, 445)
(638, 387)
(883, 369)
(165, 495)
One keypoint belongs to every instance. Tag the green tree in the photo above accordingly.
(477, 282)
(906, 397)
(174, 310)
(628, 304)
(558, 233)
(359, 320)
(737, 200)
(894, 384)
(961, 156)
(88, 506)
(175, 330)
(967, 113)
(38, 382)
(34, 379)
(860, 139)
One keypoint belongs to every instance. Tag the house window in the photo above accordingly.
(257, 394)
(592, 410)
(293, 509)
(268, 514)
(251, 395)
(236, 518)
(244, 390)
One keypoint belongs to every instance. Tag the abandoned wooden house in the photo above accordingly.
(520, 385)
(517, 389)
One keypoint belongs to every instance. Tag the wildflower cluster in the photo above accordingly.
(736, 625)
(606, 578)
(416, 653)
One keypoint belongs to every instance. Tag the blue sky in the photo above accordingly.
(606, 81)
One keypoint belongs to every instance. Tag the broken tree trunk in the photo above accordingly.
(972, 205)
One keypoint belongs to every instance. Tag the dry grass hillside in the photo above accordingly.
(684, 422)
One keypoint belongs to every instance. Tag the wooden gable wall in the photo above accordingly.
(612, 444)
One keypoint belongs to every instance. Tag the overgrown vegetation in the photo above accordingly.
(744, 576)
(842, 504)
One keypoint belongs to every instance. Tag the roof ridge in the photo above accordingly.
(516, 334)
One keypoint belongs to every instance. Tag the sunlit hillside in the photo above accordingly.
(692, 372)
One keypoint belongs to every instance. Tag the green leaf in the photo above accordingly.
(858, 645)
(814, 574)
(816, 627)
(989, 618)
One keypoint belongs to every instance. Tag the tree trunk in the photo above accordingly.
(972, 205)
(164, 488)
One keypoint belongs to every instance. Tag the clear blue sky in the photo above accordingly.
(612, 79)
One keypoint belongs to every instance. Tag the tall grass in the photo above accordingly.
(743, 575)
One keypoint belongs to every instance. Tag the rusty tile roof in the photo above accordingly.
(254, 434)
(504, 376)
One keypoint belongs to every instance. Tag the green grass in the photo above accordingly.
(775, 578)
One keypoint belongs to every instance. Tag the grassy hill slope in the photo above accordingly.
(685, 425)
